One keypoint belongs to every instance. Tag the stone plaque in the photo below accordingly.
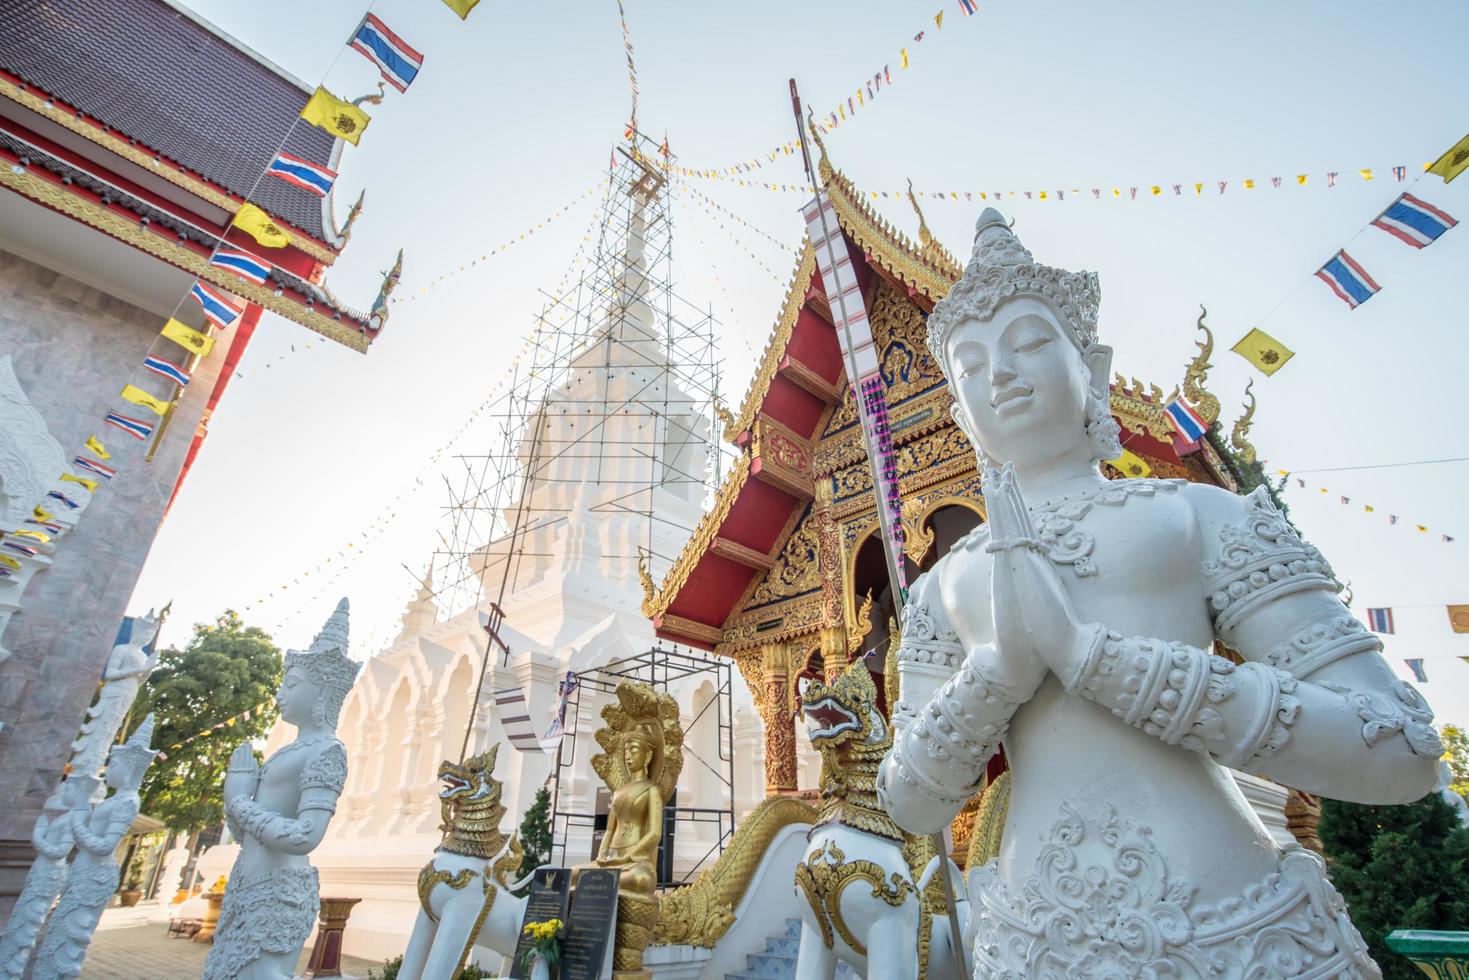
(586, 948)
(549, 890)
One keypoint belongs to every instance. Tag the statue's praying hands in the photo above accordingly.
(243, 775)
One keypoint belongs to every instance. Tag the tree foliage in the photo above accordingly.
(535, 834)
(1398, 867)
(226, 668)
(1456, 752)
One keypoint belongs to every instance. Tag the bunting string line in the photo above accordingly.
(1345, 500)
(245, 715)
(750, 253)
(710, 202)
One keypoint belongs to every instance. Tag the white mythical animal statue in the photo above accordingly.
(279, 812)
(53, 840)
(465, 891)
(94, 874)
(871, 900)
(1078, 627)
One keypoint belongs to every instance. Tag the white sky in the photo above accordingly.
(513, 115)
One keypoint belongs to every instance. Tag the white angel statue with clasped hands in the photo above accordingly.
(279, 812)
(1078, 628)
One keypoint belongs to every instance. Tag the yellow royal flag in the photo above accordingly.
(1453, 162)
(1263, 351)
(33, 535)
(461, 7)
(904, 54)
(42, 514)
(91, 485)
(138, 396)
(1459, 618)
(259, 226)
(335, 116)
(188, 338)
(95, 444)
(1130, 464)
(7, 562)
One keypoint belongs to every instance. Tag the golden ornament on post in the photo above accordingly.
(642, 755)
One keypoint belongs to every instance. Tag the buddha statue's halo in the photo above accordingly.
(327, 666)
(1000, 269)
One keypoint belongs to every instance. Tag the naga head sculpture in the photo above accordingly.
(317, 680)
(1017, 341)
(469, 805)
(844, 714)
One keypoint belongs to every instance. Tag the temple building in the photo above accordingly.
(785, 575)
(131, 134)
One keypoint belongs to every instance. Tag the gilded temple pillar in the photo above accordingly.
(775, 705)
(833, 652)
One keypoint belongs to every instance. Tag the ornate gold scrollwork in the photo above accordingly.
(429, 877)
(1239, 438)
(826, 873)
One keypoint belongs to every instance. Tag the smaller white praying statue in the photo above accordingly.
(53, 840)
(279, 812)
(127, 667)
(94, 872)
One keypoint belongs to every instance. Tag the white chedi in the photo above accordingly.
(1077, 627)
(53, 840)
(128, 666)
(279, 812)
(93, 877)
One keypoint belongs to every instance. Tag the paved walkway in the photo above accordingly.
(132, 944)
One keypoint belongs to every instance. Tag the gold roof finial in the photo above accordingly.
(1239, 438)
(1197, 373)
(925, 237)
(823, 164)
(650, 588)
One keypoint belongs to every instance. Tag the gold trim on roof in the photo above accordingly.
(1197, 373)
(780, 336)
(57, 196)
(152, 162)
(700, 540)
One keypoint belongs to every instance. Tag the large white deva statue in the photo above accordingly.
(1078, 627)
(127, 667)
(53, 840)
(94, 874)
(279, 812)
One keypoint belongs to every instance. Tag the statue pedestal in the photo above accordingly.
(210, 921)
(1441, 955)
(326, 954)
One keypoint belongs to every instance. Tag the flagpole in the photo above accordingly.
(895, 580)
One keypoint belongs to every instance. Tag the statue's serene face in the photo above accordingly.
(296, 697)
(637, 755)
(1020, 383)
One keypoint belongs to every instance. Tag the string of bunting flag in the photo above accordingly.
(246, 715)
(1147, 191)
(1344, 500)
(1408, 218)
(398, 64)
(1380, 619)
(749, 252)
(846, 109)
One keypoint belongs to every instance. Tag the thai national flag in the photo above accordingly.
(304, 174)
(219, 311)
(23, 549)
(1419, 674)
(92, 466)
(1348, 280)
(1185, 419)
(969, 7)
(241, 263)
(398, 62)
(1380, 620)
(167, 369)
(1415, 222)
(136, 428)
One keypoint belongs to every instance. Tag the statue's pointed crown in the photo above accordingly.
(327, 663)
(137, 753)
(1001, 268)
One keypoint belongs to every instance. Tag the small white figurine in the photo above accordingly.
(94, 873)
(53, 840)
(1079, 626)
(279, 813)
(127, 667)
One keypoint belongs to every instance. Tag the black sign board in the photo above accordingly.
(549, 891)
(586, 948)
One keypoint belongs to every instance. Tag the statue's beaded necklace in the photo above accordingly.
(1057, 521)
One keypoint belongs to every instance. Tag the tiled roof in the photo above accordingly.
(150, 72)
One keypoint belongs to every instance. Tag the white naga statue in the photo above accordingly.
(279, 812)
(53, 840)
(93, 877)
(1079, 626)
(127, 667)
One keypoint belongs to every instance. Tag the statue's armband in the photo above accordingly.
(929, 651)
(323, 779)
